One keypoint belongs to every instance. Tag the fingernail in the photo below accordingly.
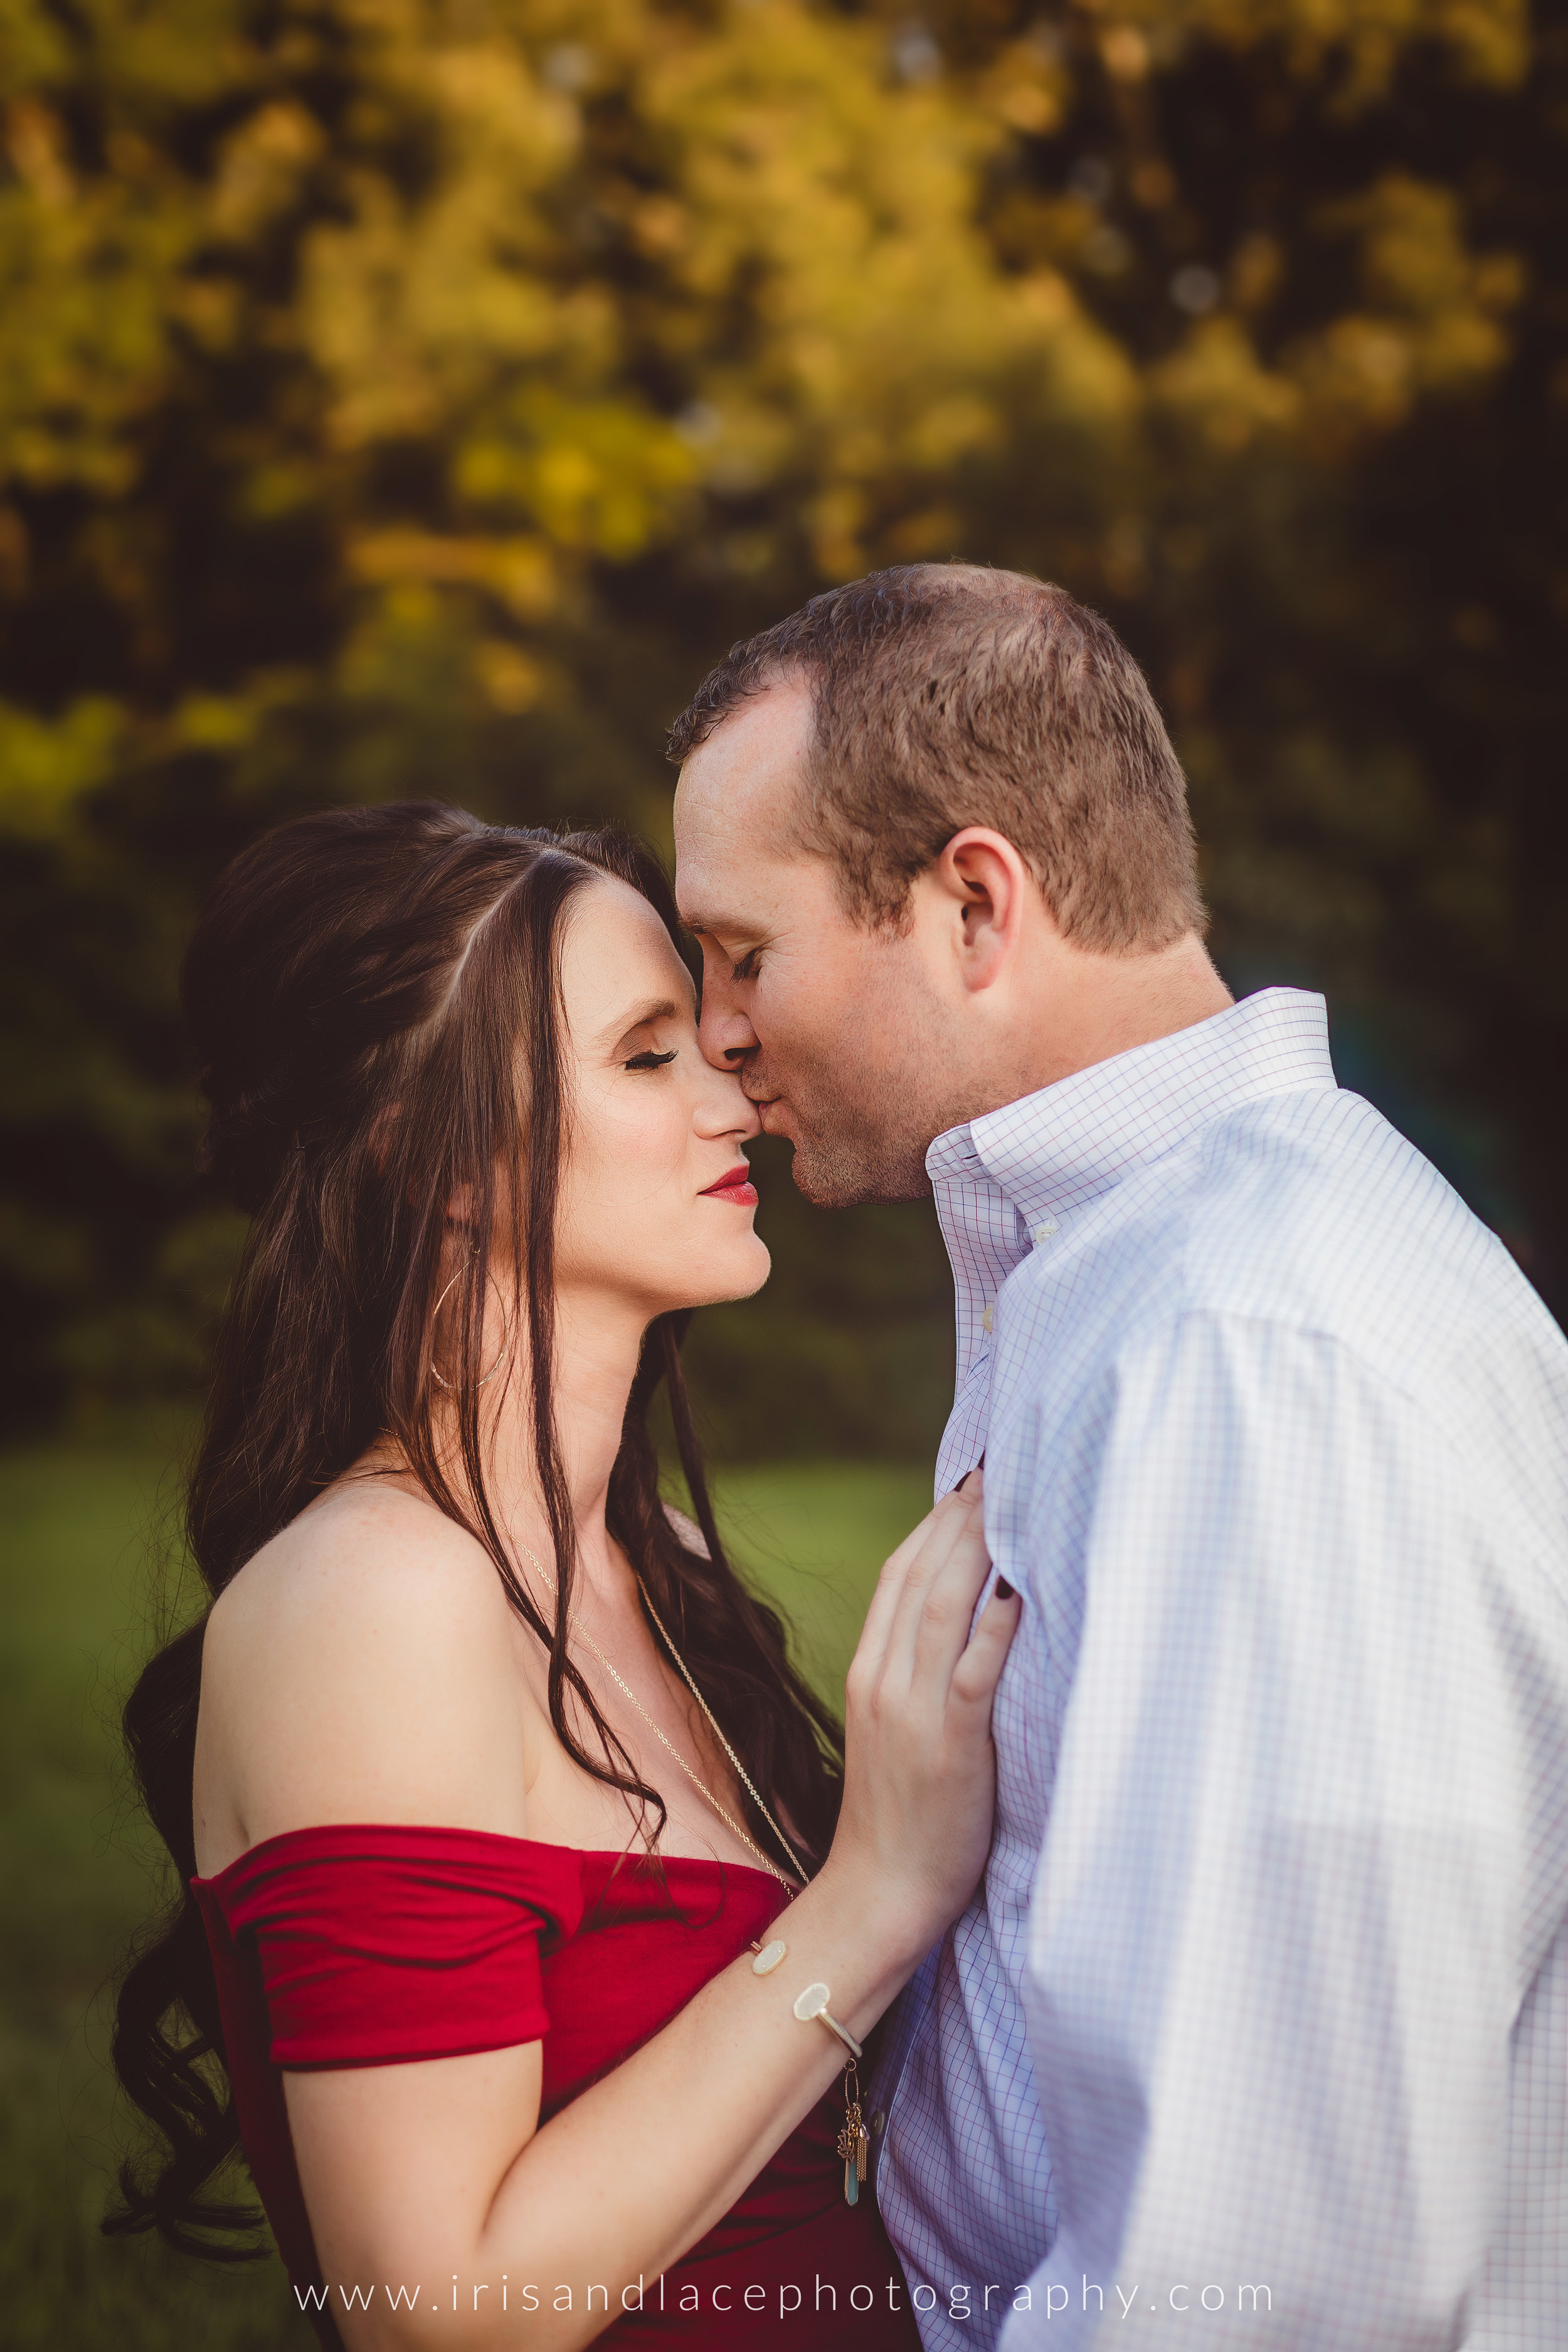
(1003, 1589)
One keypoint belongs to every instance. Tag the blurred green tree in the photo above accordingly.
(401, 396)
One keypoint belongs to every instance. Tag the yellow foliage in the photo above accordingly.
(468, 309)
(884, 335)
(519, 571)
(1486, 41)
(400, 395)
(263, 164)
(567, 281)
(1432, 318)
(1215, 382)
(46, 766)
(87, 278)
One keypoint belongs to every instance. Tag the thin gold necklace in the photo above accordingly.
(701, 1786)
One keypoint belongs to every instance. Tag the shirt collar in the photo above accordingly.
(1009, 1182)
(1006, 1181)
(1053, 1150)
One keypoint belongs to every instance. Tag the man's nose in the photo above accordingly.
(724, 1033)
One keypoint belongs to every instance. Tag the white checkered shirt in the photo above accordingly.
(1266, 1988)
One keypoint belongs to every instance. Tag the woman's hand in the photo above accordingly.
(919, 1769)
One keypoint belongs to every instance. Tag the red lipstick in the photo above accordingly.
(734, 1185)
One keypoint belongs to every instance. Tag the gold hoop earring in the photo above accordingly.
(485, 1378)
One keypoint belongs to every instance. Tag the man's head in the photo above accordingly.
(934, 840)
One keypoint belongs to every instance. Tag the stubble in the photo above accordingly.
(857, 1135)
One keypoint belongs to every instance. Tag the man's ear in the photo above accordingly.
(990, 887)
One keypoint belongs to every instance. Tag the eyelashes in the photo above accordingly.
(650, 1061)
(747, 967)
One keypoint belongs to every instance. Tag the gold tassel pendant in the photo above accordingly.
(854, 2141)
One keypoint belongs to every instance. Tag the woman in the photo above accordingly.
(521, 1904)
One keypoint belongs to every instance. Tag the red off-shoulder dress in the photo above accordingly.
(374, 1945)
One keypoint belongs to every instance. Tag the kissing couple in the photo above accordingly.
(1173, 1942)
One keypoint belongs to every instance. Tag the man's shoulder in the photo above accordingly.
(1311, 1212)
(1306, 1212)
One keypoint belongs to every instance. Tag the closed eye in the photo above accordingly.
(747, 967)
(650, 1061)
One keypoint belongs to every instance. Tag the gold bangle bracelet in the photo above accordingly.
(811, 2008)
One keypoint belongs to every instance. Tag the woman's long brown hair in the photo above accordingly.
(364, 990)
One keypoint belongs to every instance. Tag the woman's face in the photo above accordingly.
(653, 1130)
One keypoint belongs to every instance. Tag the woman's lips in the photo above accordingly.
(736, 1185)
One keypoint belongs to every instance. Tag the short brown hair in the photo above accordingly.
(948, 695)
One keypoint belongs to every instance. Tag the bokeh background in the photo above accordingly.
(405, 397)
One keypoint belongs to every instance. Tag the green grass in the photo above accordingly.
(814, 1537)
(81, 1529)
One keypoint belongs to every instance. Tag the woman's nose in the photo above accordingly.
(726, 1110)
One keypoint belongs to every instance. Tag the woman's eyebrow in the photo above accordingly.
(639, 1016)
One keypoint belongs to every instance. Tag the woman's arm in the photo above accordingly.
(414, 2173)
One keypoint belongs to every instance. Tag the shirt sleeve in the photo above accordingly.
(1274, 1951)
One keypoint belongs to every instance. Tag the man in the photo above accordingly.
(1259, 2029)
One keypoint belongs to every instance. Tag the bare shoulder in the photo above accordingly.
(367, 1555)
(364, 1665)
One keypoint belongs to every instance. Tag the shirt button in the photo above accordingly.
(879, 2124)
(1045, 1229)
(986, 1321)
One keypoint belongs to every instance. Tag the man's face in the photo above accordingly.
(837, 1030)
